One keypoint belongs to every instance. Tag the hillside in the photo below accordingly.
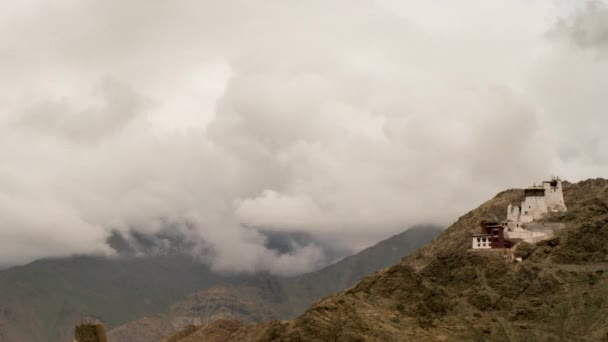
(264, 297)
(42, 301)
(445, 293)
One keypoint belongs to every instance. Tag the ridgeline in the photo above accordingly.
(444, 292)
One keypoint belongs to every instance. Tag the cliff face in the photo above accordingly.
(443, 292)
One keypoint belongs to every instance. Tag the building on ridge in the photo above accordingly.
(520, 224)
(492, 236)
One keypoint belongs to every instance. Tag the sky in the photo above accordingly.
(329, 124)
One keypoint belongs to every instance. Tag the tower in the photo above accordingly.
(554, 196)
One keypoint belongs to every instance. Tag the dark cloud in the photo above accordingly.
(168, 241)
(587, 29)
(284, 242)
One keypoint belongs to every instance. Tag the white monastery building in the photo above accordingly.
(520, 224)
(482, 241)
(539, 200)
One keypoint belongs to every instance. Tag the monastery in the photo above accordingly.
(521, 220)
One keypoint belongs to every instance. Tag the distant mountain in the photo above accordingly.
(264, 297)
(444, 292)
(42, 301)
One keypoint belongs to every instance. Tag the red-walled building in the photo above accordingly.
(492, 236)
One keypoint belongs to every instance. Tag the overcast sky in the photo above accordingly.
(232, 121)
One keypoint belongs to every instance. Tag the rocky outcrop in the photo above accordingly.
(90, 333)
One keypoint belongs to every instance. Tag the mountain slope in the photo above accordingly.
(445, 293)
(301, 291)
(43, 300)
(348, 271)
(264, 297)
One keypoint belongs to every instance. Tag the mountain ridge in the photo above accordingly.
(444, 292)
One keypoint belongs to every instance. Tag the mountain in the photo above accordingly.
(42, 301)
(264, 297)
(444, 292)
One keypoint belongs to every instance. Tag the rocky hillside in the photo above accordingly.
(445, 293)
(264, 297)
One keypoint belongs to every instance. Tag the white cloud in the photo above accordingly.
(348, 121)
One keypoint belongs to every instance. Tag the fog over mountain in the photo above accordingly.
(237, 124)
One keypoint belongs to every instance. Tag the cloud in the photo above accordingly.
(282, 135)
(588, 29)
(118, 106)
